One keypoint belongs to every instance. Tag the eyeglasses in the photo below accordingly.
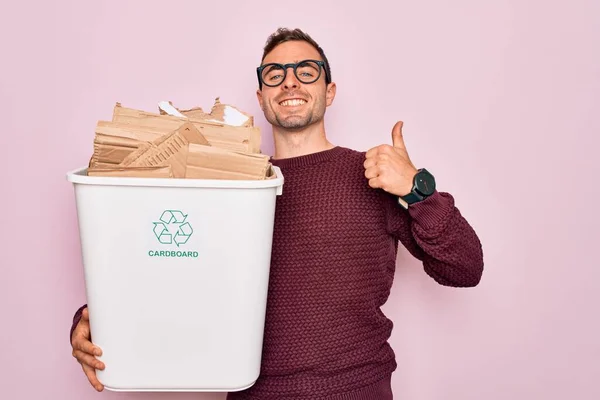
(307, 71)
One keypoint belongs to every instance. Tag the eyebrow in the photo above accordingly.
(272, 67)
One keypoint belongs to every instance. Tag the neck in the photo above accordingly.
(295, 143)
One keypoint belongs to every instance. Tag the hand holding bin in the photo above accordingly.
(176, 224)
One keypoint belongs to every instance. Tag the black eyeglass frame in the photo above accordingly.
(285, 67)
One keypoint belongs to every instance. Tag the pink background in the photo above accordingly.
(501, 100)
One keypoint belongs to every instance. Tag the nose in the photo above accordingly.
(290, 81)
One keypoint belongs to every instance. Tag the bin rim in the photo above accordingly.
(79, 176)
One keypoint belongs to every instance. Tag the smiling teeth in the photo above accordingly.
(293, 102)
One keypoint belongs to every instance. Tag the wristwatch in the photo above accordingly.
(423, 187)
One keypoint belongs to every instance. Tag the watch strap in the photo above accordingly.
(409, 199)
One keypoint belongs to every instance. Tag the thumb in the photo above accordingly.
(397, 138)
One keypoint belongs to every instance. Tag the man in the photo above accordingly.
(337, 227)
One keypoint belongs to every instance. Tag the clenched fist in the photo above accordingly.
(389, 167)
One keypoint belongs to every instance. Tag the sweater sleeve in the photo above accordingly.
(435, 232)
(76, 319)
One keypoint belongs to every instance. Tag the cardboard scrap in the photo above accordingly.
(229, 114)
(223, 113)
(137, 143)
(235, 138)
(213, 163)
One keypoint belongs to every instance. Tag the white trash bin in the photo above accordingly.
(176, 275)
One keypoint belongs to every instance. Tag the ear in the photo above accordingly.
(259, 98)
(330, 93)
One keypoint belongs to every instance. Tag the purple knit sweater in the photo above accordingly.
(333, 262)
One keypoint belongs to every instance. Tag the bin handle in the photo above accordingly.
(279, 176)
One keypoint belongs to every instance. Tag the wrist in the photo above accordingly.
(422, 187)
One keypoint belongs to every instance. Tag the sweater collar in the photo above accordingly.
(308, 159)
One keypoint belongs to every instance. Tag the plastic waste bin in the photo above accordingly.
(176, 276)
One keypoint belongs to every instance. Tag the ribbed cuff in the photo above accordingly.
(431, 211)
(381, 390)
(76, 319)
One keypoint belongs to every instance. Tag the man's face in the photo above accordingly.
(294, 105)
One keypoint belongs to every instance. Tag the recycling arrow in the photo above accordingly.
(183, 234)
(172, 227)
(162, 233)
(173, 216)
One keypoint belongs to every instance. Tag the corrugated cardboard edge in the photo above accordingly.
(133, 172)
(170, 151)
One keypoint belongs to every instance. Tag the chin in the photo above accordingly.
(294, 122)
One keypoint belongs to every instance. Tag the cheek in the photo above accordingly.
(320, 96)
(267, 98)
(272, 103)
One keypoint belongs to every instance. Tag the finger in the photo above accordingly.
(91, 375)
(397, 136)
(383, 157)
(375, 183)
(85, 315)
(82, 339)
(385, 149)
(372, 152)
(381, 149)
(370, 162)
(380, 182)
(88, 359)
(83, 328)
(83, 344)
(371, 173)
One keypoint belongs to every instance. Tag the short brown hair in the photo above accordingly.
(285, 35)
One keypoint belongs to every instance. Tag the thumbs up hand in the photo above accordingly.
(389, 167)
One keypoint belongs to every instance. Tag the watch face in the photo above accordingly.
(425, 183)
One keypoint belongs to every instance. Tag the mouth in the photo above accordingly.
(292, 102)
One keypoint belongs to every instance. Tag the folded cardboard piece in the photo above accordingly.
(175, 143)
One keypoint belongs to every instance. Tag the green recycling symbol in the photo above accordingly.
(173, 228)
